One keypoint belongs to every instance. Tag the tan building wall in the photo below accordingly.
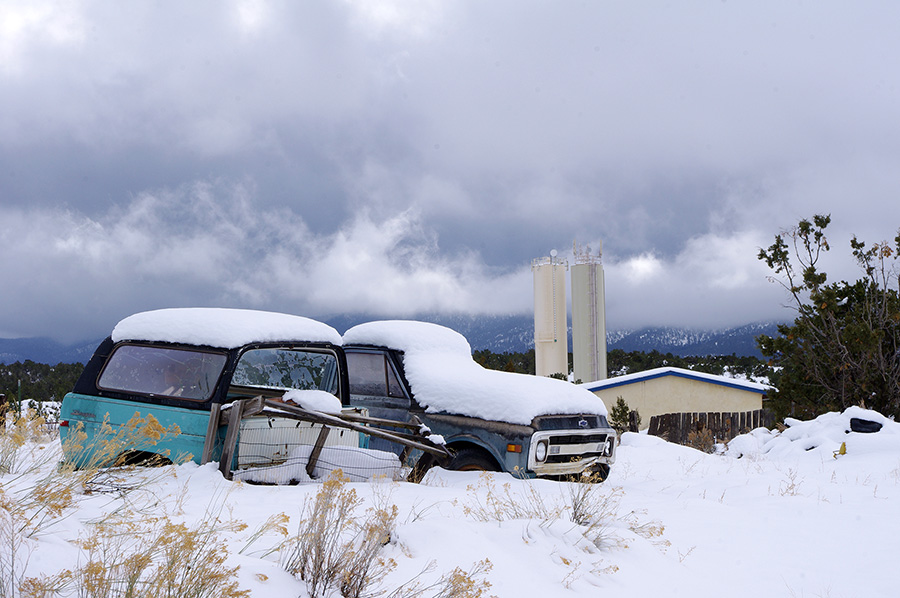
(677, 394)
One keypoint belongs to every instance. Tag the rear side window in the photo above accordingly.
(280, 369)
(372, 375)
(163, 371)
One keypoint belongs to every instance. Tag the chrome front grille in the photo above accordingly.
(570, 451)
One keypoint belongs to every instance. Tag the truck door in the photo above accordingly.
(375, 385)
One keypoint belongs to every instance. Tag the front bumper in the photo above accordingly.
(567, 452)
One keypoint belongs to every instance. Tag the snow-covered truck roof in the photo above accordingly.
(222, 327)
(444, 378)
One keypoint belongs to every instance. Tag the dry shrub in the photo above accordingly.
(35, 493)
(702, 440)
(334, 548)
(274, 524)
(23, 452)
(504, 503)
(459, 583)
(26, 506)
(589, 505)
(101, 464)
(129, 555)
(14, 547)
(21, 434)
(110, 445)
(593, 507)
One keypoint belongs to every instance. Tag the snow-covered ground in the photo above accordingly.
(776, 515)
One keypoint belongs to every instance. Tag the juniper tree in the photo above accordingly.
(843, 347)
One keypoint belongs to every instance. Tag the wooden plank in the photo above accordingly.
(665, 425)
(317, 450)
(231, 436)
(353, 417)
(633, 422)
(660, 423)
(212, 431)
(253, 406)
(331, 420)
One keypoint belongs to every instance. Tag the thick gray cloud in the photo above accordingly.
(397, 158)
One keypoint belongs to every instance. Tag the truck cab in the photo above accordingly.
(492, 421)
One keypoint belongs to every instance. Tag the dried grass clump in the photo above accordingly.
(589, 505)
(128, 555)
(20, 437)
(458, 583)
(111, 446)
(14, 548)
(334, 548)
(702, 440)
(490, 503)
(36, 492)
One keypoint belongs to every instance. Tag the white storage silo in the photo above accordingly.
(551, 346)
(588, 317)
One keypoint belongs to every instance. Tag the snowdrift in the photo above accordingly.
(820, 437)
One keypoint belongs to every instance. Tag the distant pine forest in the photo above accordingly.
(41, 382)
(38, 381)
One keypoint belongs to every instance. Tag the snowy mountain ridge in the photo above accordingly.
(499, 334)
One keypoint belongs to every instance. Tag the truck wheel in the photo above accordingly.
(471, 459)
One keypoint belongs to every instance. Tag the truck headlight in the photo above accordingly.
(540, 451)
(607, 447)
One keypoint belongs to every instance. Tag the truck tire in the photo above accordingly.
(473, 459)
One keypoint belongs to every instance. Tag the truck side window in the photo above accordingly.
(371, 374)
(283, 368)
(279, 369)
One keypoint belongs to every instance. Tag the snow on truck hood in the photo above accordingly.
(444, 378)
(221, 327)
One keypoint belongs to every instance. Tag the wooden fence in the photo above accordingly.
(675, 427)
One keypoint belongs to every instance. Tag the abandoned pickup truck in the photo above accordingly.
(263, 393)
(495, 421)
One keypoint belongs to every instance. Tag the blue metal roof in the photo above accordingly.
(678, 373)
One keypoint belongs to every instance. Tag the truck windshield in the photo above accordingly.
(285, 369)
(166, 371)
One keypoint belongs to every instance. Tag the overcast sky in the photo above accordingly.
(397, 158)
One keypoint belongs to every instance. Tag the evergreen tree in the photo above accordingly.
(618, 415)
(843, 347)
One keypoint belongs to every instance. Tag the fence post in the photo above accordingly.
(670, 426)
(633, 421)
